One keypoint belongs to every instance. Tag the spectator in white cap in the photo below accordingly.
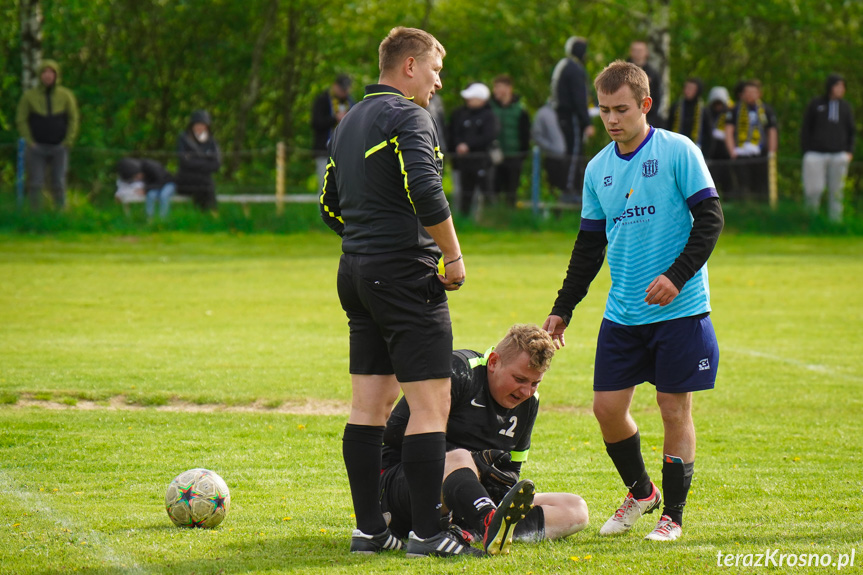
(474, 130)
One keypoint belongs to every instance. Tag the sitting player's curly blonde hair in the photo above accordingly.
(530, 338)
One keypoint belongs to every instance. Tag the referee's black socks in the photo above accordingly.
(627, 458)
(361, 449)
(423, 458)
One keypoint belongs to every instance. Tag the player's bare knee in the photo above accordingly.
(458, 459)
(609, 415)
(577, 516)
(675, 410)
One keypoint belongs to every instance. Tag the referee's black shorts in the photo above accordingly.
(398, 315)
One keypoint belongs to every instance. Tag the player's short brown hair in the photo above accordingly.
(530, 338)
(503, 79)
(619, 74)
(402, 43)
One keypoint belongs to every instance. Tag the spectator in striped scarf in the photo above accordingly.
(751, 136)
(689, 115)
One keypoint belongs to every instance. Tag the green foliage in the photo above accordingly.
(139, 67)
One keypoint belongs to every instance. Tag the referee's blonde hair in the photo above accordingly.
(403, 42)
(529, 338)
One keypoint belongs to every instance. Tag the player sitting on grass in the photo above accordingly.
(493, 409)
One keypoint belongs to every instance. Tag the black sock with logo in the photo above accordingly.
(466, 497)
(627, 458)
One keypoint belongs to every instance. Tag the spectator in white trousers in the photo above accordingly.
(827, 141)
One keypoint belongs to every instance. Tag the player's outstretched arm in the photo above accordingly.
(588, 253)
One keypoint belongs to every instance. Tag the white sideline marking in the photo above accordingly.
(32, 502)
(817, 368)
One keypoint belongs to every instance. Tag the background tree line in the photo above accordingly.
(140, 67)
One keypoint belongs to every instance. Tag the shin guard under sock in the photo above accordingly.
(676, 480)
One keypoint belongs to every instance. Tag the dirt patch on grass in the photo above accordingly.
(121, 403)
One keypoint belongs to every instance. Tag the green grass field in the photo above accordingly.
(125, 360)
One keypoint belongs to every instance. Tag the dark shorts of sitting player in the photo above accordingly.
(396, 500)
(398, 315)
(677, 356)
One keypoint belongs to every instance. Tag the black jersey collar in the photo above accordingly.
(382, 90)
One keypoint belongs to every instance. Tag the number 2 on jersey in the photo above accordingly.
(511, 431)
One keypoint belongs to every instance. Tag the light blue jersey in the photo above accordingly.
(642, 201)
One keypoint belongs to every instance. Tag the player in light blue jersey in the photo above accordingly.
(649, 198)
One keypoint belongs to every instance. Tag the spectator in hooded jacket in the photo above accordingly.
(827, 141)
(514, 137)
(199, 158)
(474, 129)
(569, 98)
(47, 119)
(689, 116)
(547, 134)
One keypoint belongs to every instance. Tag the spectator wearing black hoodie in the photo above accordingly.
(474, 128)
(689, 116)
(199, 158)
(569, 96)
(827, 141)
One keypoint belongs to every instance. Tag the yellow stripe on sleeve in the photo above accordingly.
(374, 149)
(331, 164)
(398, 152)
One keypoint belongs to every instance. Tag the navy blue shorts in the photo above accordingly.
(398, 316)
(676, 356)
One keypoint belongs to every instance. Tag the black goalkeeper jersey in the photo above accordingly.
(476, 422)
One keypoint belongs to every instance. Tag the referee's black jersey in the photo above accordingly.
(383, 181)
(476, 421)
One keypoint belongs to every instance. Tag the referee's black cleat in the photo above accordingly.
(448, 543)
(368, 544)
(500, 524)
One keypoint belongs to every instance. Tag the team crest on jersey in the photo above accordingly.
(649, 168)
(606, 181)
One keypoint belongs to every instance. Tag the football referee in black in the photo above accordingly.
(383, 194)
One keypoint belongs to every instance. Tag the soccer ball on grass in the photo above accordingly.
(197, 498)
